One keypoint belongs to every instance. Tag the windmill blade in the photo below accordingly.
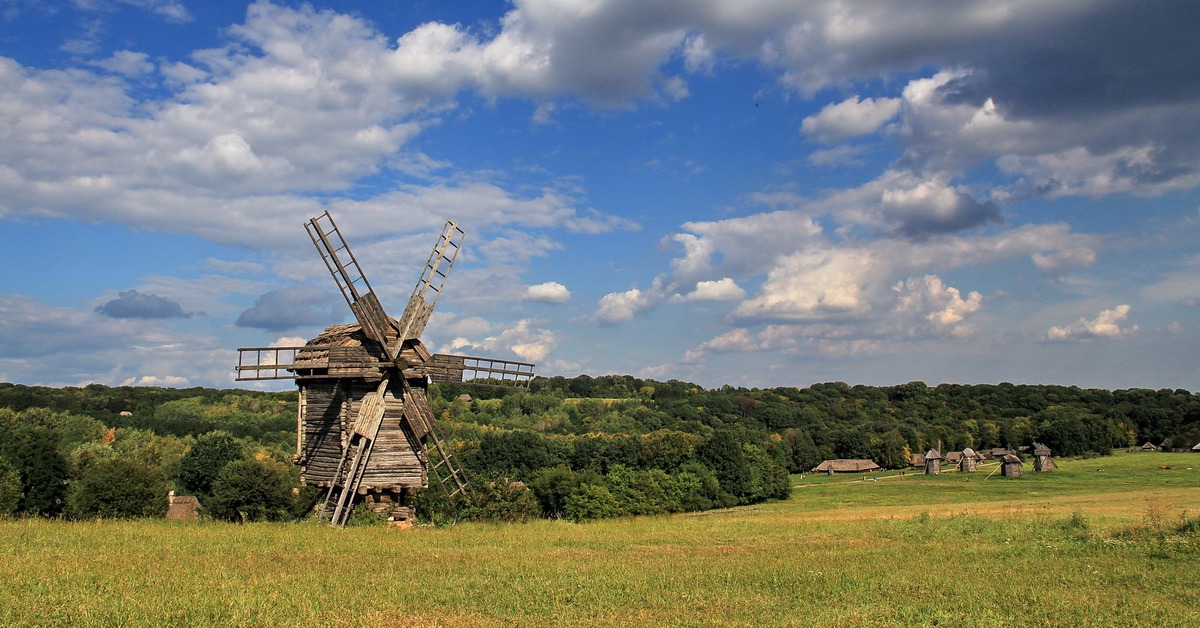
(429, 286)
(349, 277)
(419, 415)
(445, 368)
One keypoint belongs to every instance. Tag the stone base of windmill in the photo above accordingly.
(402, 517)
(391, 505)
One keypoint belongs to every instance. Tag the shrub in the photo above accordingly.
(203, 463)
(552, 487)
(10, 489)
(252, 490)
(117, 488)
(32, 450)
(500, 501)
(592, 502)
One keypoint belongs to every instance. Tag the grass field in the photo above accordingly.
(1105, 541)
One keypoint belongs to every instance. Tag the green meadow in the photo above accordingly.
(1100, 542)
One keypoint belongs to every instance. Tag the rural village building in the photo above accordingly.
(968, 461)
(182, 507)
(1010, 466)
(846, 466)
(1042, 461)
(933, 462)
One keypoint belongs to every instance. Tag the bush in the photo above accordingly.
(552, 487)
(32, 450)
(10, 489)
(592, 502)
(117, 488)
(203, 463)
(500, 501)
(252, 490)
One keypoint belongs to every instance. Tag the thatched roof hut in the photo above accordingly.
(918, 461)
(1149, 446)
(1010, 466)
(1042, 461)
(182, 507)
(933, 462)
(968, 460)
(846, 466)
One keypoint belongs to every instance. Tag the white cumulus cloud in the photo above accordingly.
(1106, 325)
(850, 118)
(549, 292)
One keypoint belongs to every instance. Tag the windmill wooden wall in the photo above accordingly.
(1010, 466)
(968, 461)
(933, 462)
(327, 407)
(1042, 461)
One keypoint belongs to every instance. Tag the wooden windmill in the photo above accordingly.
(364, 425)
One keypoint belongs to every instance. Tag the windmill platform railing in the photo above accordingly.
(266, 363)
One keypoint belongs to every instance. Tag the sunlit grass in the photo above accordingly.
(1074, 547)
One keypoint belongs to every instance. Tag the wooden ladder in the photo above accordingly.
(445, 471)
(338, 503)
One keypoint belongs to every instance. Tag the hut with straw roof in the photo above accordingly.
(1042, 461)
(846, 466)
(968, 460)
(1010, 466)
(933, 462)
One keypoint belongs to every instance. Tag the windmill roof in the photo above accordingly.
(346, 343)
(1010, 458)
(933, 454)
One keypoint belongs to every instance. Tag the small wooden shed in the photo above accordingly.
(933, 462)
(182, 507)
(1042, 460)
(1149, 446)
(918, 461)
(968, 461)
(1010, 466)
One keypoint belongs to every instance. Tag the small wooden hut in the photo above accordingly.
(846, 466)
(968, 460)
(1196, 448)
(1010, 466)
(1042, 461)
(918, 461)
(1149, 446)
(933, 462)
(182, 507)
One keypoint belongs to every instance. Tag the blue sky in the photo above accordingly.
(761, 193)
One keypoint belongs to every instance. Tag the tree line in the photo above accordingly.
(580, 448)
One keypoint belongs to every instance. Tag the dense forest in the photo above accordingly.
(580, 448)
